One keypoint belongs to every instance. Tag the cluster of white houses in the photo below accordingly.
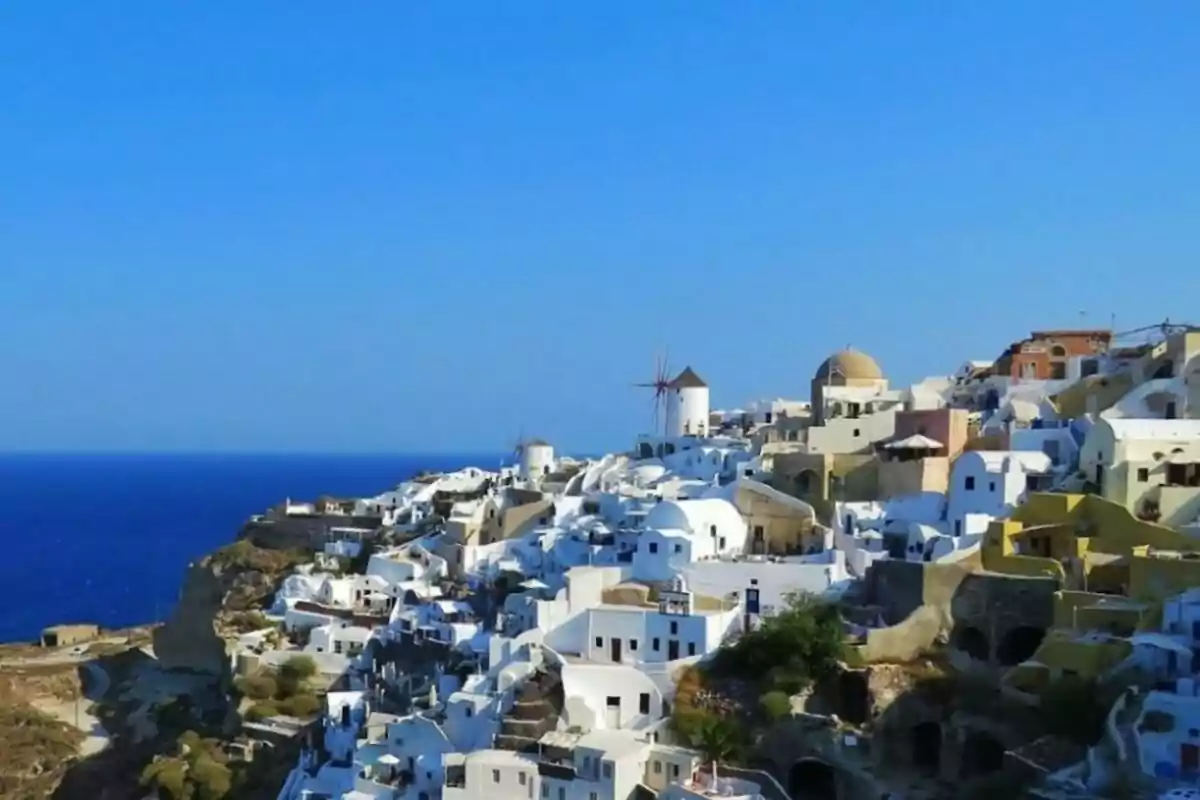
(526, 644)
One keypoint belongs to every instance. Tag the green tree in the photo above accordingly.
(790, 650)
(776, 705)
(718, 739)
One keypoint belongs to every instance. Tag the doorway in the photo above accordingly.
(672, 649)
(810, 779)
(616, 649)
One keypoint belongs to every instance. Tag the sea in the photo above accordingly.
(107, 538)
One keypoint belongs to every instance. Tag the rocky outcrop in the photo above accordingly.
(188, 640)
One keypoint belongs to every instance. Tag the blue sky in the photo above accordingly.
(424, 226)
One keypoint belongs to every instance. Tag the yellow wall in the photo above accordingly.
(999, 554)
(1090, 611)
(786, 529)
(1109, 527)
(1154, 577)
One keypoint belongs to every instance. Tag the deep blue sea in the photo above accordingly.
(107, 538)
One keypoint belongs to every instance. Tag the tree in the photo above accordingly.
(718, 739)
(795, 647)
(776, 705)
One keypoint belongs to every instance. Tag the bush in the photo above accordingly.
(249, 621)
(776, 705)
(293, 674)
(302, 705)
(790, 650)
(261, 711)
(168, 776)
(212, 779)
(302, 667)
(257, 686)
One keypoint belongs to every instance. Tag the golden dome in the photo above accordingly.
(850, 365)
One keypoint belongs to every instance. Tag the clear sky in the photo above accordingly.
(424, 226)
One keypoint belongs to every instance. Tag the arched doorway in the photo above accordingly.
(807, 482)
(810, 779)
(927, 747)
(1019, 644)
(854, 698)
(982, 754)
(973, 642)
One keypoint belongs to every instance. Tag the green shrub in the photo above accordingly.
(776, 705)
(212, 779)
(168, 776)
(261, 711)
(790, 650)
(302, 705)
(257, 686)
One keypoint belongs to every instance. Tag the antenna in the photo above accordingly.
(660, 383)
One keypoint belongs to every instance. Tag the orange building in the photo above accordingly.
(1044, 355)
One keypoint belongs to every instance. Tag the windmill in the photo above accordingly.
(660, 383)
(518, 446)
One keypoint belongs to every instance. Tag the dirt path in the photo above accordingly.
(77, 712)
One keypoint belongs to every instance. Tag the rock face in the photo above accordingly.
(188, 640)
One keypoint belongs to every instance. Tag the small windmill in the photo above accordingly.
(518, 447)
(660, 383)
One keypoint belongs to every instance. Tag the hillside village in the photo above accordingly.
(985, 584)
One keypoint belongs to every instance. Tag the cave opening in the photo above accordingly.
(810, 779)
(982, 754)
(927, 747)
(1019, 644)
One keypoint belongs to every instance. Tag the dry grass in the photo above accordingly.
(35, 750)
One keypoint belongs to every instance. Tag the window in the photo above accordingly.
(655, 644)
(991, 486)
(644, 703)
(612, 701)
(658, 768)
(545, 790)
(599, 641)
(712, 530)
(678, 548)
(521, 778)
(758, 533)
(606, 768)
(562, 793)
(674, 628)
(1058, 370)
(721, 543)
(633, 644)
(495, 776)
(691, 648)
(654, 547)
(674, 770)
(958, 527)
(469, 710)
(593, 796)
(969, 483)
(1143, 475)
(856, 431)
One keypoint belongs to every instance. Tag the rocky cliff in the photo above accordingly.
(239, 577)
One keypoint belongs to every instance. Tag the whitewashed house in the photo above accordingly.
(993, 482)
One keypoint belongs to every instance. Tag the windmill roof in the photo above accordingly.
(688, 379)
(536, 443)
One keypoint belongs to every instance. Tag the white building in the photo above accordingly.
(537, 459)
(687, 406)
(993, 482)
(681, 531)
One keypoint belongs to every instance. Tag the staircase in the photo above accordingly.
(535, 713)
